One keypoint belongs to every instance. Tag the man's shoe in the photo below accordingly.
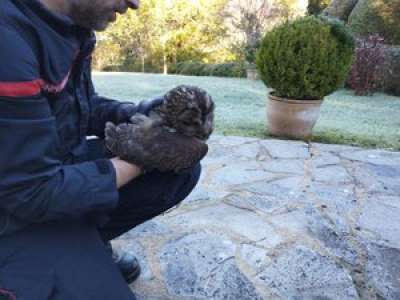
(127, 264)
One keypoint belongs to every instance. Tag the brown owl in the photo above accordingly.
(172, 137)
(189, 110)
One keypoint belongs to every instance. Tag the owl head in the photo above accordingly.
(189, 110)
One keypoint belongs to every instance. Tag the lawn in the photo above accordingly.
(240, 107)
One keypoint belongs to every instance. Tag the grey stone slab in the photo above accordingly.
(254, 256)
(202, 266)
(225, 217)
(247, 151)
(149, 228)
(230, 284)
(383, 270)
(236, 140)
(337, 198)
(286, 149)
(393, 201)
(145, 297)
(290, 188)
(332, 174)
(333, 148)
(388, 176)
(292, 166)
(302, 273)
(367, 180)
(294, 222)
(239, 173)
(204, 193)
(382, 219)
(334, 239)
(264, 203)
(378, 157)
(380, 179)
(324, 159)
(221, 154)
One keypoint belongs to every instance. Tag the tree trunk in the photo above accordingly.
(165, 64)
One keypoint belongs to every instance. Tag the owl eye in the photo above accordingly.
(187, 123)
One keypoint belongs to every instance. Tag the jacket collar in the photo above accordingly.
(60, 40)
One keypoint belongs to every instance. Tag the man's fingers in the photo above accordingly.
(110, 130)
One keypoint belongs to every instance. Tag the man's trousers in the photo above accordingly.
(67, 259)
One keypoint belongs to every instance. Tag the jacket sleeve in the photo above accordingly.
(104, 109)
(34, 185)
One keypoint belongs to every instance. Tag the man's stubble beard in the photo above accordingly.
(86, 15)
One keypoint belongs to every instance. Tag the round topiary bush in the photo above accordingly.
(305, 59)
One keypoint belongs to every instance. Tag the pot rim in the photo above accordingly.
(271, 96)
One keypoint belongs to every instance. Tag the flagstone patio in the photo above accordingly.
(274, 219)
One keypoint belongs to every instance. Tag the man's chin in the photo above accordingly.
(102, 27)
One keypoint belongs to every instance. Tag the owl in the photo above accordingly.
(187, 109)
(172, 137)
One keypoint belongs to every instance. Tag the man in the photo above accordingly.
(63, 197)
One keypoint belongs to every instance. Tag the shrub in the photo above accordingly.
(228, 70)
(250, 52)
(111, 68)
(192, 68)
(377, 17)
(308, 58)
(391, 70)
(366, 74)
(232, 69)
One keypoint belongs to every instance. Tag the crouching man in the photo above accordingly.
(64, 197)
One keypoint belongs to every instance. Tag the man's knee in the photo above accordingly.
(190, 178)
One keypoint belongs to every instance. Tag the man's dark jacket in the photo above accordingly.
(47, 108)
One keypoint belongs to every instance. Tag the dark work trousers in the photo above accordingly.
(145, 197)
(67, 260)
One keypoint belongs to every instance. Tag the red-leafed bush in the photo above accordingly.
(366, 74)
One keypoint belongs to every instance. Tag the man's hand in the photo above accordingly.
(145, 107)
(125, 171)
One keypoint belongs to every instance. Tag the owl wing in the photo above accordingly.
(175, 152)
(152, 146)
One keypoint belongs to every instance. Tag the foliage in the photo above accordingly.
(165, 32)
(240, 107)
(366, 74)
(377, 17)
(315, 7)
(251, 51)
(196, 68)
(247, 20)
(391, 70)
(305, 59)
(340, 9)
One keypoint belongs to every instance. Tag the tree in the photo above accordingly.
(170, 31)
(248, 21)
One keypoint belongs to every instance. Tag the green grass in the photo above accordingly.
(240, 107)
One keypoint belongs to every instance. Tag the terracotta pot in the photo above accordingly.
(252, 74)
(292, 118)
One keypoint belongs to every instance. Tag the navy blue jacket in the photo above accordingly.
(47, 108)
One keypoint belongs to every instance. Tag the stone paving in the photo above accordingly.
(275, 219)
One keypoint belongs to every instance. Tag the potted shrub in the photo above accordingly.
(302, 61)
